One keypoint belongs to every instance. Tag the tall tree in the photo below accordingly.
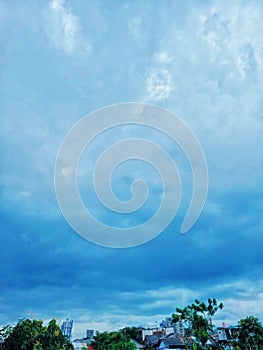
(250, 335)
(198, 316)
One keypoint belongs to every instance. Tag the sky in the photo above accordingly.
(63, 60)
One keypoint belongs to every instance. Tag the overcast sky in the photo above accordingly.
(62, 60)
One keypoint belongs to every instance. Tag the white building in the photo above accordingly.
(179, 328)
(79, 344)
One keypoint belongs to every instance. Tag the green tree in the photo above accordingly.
(198, 315)
(101, 341)
(132, 333)
(4, 333)
(53, 339)
(112, 341)
(24, 335)
(32, 335)
(250, 335)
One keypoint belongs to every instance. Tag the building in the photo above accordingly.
(170, 343)
(66, 328)
(84, 343)
(168, 331)
(179, 328)
(151, 341)
(166, 323)
(80, 344)
(149, 331)
(89, 334)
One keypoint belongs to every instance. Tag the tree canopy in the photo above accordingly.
(32, 335)
(250, 335)
(198, 317)
(132, 333)
(112, 341)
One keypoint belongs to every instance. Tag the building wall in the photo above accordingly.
(80, 346)
(179, 328)
(149, 331)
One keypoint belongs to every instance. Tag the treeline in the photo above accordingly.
(118, 340)
(32, 335)
(197, 318)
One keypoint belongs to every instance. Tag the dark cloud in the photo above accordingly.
(196, 61)
(51, 265)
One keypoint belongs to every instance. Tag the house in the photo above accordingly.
(170, 343)
(148, 331)
(168, 331)
(79, 344)
(225, 336)
(166, 323)
(152, 340)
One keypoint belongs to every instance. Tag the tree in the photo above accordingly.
(250, 335)
(4, 333)
(32, 335)
(112, 341)
(53, 339)
(132, 333)
(24, 335)
(198, 316)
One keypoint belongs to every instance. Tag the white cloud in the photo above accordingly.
(159, 84)
(231, 33)
(110, 321)
(156, 304)
(162, 57)
(63, 28)
(209, 71)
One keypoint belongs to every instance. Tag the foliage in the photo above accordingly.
(112, 341)
(32, 335)
(132, 333)
(250, 335)
(4, 333)
(198, 315)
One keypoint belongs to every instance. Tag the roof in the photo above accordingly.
(82, 340)
(152, 339)
(172, 341)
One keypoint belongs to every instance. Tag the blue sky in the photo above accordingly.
(60, 61)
